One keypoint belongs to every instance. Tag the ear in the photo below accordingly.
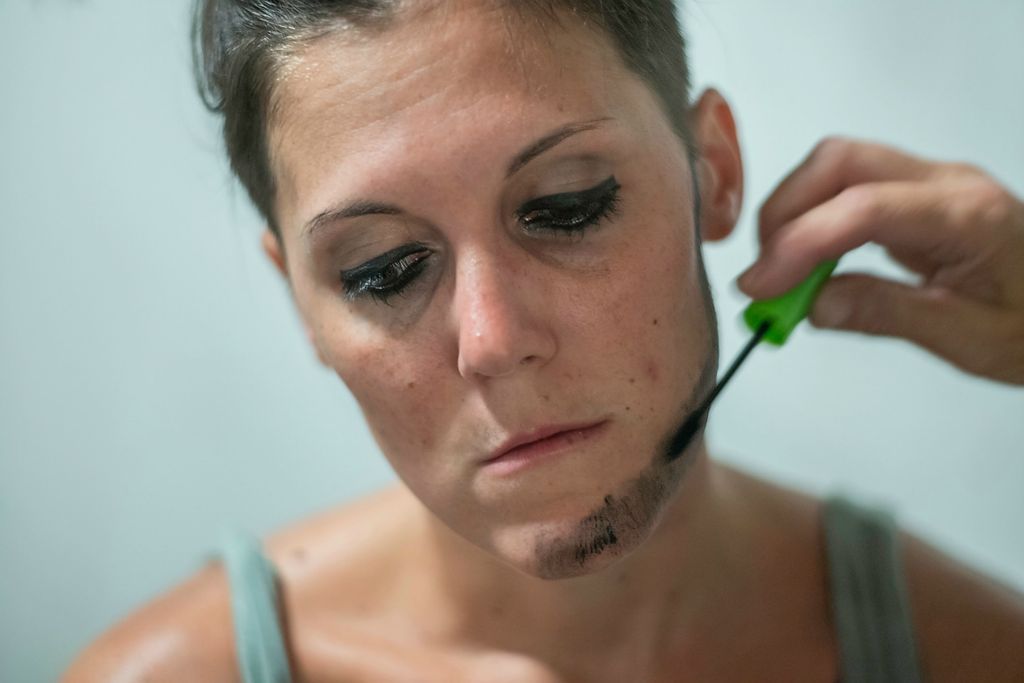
(272, 248)
(719, 165)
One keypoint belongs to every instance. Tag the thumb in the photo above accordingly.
(931, 317)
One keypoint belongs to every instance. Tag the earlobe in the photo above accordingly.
(316, 347)
(271, 244)
(719, 165)
(272, 248)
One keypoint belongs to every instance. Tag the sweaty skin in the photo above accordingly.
(503, 331)
(604, 563)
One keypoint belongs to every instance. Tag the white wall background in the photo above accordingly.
(155, 387)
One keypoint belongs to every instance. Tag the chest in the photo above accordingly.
(375, 658)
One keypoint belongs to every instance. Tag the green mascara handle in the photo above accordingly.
(784, 313)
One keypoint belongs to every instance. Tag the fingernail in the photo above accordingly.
(831, 309)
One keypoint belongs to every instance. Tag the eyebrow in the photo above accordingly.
(549, 141)
(350, 210)
(361, 207)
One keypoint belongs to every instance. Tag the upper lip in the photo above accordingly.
(523, 438)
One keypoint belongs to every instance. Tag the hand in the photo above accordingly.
(952, 224)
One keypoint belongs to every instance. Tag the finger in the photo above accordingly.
(834, 165)
(933, 318)
(910, 218)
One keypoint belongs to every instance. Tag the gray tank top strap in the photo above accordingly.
(259, 643)
(870, 606)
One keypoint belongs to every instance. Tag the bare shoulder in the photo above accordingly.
(183, 635)
(969, 627)
(323, 563)
(353, 539)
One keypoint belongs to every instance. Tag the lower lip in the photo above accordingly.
(542, 450)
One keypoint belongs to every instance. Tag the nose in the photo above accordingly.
(502, 319)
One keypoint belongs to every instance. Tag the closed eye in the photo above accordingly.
(386, 275)
(570, 212)
(564, 214)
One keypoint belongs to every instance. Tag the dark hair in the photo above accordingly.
(239, 45)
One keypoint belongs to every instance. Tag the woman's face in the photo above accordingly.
(489, 230)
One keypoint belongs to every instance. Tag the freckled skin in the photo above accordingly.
(547, 577)
(508, 331)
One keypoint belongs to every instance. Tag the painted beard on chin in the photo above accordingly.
(626, 517)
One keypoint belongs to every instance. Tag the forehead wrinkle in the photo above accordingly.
(494, 75)
(313, 99)
(407, 59)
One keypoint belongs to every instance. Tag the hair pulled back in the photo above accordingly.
(240, 47)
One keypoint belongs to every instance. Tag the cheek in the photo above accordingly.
(407, 400)
(393, 393)
(659, 322)
(652, 371)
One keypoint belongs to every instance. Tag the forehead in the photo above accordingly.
(353, 99)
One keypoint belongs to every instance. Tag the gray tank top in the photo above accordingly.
(870, 608)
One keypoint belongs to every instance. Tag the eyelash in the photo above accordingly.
(571, 213)
(386, 275)
(566, 214)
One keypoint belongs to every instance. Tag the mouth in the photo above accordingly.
(541, 444)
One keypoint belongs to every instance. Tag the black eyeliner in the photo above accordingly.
(566, 213)
(378, 263)
(359, 280)
(564, 201)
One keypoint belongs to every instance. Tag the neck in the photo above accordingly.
(630, 611)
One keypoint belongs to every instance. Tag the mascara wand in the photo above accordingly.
(771, 320)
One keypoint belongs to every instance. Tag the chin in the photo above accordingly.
(596, 539)
(572, 557)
